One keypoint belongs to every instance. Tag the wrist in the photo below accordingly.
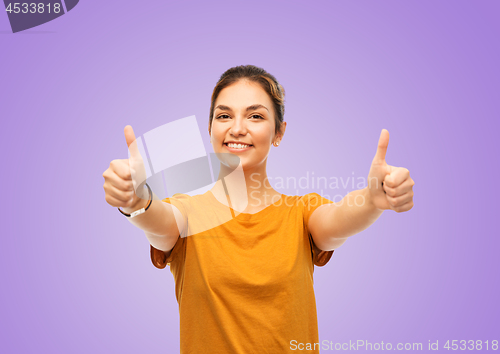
(369, 199)
(140, 203)
(137, 206)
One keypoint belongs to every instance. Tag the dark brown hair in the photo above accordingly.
(253, 73)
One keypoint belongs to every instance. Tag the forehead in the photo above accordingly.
(243, 94)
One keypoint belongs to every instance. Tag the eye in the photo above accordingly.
(222, 115)
(257, 116)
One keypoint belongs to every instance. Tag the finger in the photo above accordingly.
(383, 142)
(388, 170)
(120, 183)
(129, 135)
(397, 176)
(117, 202)
(131, 142)
(396, 202)
(403, 188)
(405, 207)
(136, 162)
(122, 169)
(123, 196)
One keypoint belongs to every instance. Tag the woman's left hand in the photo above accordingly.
(389, 187)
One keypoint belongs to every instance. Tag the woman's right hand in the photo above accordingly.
(124, 179)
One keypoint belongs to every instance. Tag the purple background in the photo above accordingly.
(76, 276)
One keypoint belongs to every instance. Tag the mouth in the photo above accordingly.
(237, 147)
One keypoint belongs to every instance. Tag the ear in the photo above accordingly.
(283, 128)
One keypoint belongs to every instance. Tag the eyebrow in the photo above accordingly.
(249, 108)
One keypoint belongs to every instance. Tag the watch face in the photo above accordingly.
(24, 15)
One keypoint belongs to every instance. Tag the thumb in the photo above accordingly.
(129, 135)
(132, 142)
(136, 163)
(383, 142)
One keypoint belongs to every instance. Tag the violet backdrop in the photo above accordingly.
(76, 276)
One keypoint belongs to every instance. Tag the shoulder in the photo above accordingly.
(184, 198)
(304, 204)
(308, 200)
(312, 200)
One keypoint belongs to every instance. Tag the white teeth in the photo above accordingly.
(237, 146)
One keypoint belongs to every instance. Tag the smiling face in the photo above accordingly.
(244, 116)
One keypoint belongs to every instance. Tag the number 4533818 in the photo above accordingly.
(471, 345)
(33, 8)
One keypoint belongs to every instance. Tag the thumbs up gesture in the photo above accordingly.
(389, 187)
(125, 178)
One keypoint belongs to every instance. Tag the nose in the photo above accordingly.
(238, 127)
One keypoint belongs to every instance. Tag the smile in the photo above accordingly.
(237, 147)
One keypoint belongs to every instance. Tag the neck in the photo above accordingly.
(246, 186)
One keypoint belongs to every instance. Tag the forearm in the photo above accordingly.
(158, 220)
(353, 214)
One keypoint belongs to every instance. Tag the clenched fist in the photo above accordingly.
(125, 178)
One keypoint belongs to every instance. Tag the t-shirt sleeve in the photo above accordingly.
(311, 202)
(160, 258)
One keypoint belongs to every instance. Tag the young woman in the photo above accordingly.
(242, 254)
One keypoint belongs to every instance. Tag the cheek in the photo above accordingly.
(217, 133)
(263, 135)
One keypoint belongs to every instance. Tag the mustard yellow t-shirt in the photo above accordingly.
(244, 283)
